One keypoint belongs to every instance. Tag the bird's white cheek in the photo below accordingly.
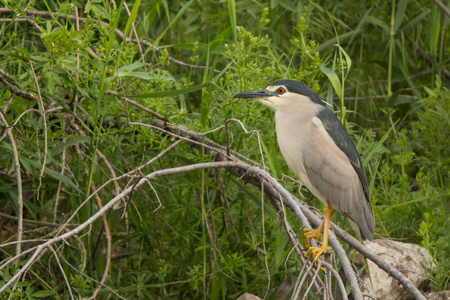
(266, 102)
(275, 102)
(282, 104)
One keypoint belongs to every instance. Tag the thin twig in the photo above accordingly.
(115, 179)
(34, 24)
(42, 110)
(63, 163)
(79, 131)
(223, 194)
(39, 249)
(75, 98)
(107, 234)
(135, 33)
(6, 107)
(18, 180)
(62, 272)
(33, 221)
(264, 240)
(338, 279)
(134, 103)
(443, 7)
(90, 278)
(313, 280)
(108, 247)
(300, 279)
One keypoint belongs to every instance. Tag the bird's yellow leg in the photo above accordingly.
(317, 251)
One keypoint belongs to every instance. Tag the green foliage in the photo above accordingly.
(414, 189)
(200, 234)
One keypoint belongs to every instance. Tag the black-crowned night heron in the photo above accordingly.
(318, 149)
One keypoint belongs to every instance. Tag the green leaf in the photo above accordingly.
(131, 67)
(105, 86)
(400, 14)
(232, 14)
(215, 46)
(113, 26)
(42, 294)
(348, 60)
(272, 161)
(179, 14)
(221, 72)
(330, 94)
(76, 140)
(145, 76)
(51, 173)
(415, 21)
(88, 7)
(281, 240)
(435, 29)
(377, 22)
(430, 92)
(256, 199)
(132, 16)
(378, 145)
(101, 11)
(288, 5)
(413, 87)
(334, 79)
(393, 99)
(342, 37)
(204, 112)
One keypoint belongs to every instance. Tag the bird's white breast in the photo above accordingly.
(294, 133)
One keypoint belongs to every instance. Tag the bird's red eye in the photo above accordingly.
(281, 90)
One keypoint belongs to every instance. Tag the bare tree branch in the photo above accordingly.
(16, 91)
(352, 242)
(140, 106)
(245, 173)
(154, 175)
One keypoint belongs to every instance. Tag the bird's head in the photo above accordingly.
(284, 94)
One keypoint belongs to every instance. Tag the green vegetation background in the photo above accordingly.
(382, 64)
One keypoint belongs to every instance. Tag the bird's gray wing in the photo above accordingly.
(334, 169)
(340, 136)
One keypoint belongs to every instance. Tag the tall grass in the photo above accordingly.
(200, 234)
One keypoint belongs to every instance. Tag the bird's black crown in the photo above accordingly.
(294, 86)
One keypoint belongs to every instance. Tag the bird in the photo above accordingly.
(318, 149)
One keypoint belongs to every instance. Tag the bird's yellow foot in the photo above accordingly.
(316, 252)
(311, 233)
(316, 233)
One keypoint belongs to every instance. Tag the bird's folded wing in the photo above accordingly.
(330, 171)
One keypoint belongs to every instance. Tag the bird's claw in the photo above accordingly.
(316, 252)
(311, 233)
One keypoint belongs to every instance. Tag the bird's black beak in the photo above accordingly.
(257, 94)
